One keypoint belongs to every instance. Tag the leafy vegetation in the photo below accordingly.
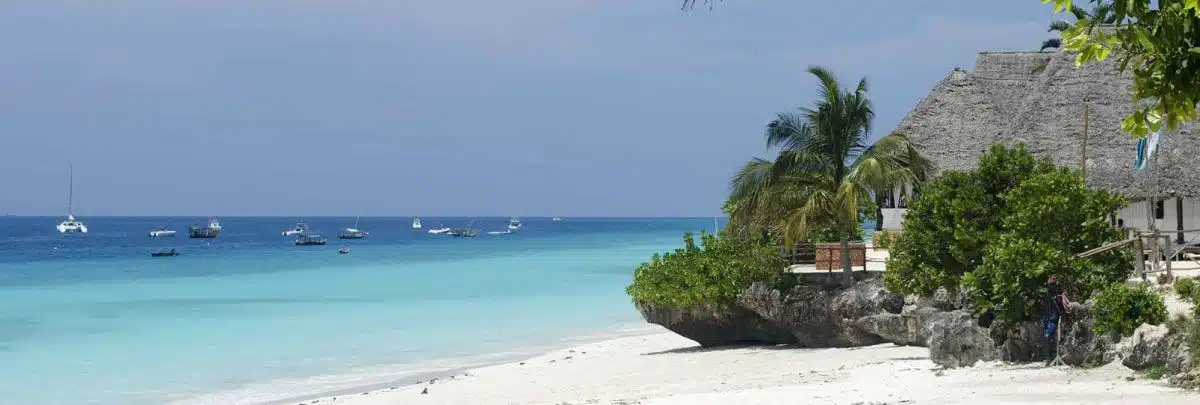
(822, 183)
(711, 272)
(1120, 309)
(950, 223)
(1002, 230)
(1101, 13)
(883, 239)
(1159, 41)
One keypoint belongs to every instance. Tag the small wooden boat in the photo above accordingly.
(344, 250)
(310, 240)
(164, 253)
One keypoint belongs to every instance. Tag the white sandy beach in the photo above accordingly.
(665, 369)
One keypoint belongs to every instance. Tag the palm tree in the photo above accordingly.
(1101, 14)
(825, 170)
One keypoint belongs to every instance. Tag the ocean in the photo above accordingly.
(250, 318)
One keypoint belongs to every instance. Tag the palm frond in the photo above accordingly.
(1059, 26)
(1052, 43)
(788, 130)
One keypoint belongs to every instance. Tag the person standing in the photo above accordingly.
(1054, 307)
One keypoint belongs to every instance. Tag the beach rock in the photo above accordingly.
(956, 340)
(824, 313)
(1153, 346)
(1188, 380)
(715, 326)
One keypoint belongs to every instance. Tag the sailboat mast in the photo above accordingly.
(71, 191)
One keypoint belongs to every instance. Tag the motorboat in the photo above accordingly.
(514, 223)
(207, 232)
(310, 240)
(416, 223)
(504, 232)
(352, 233)
(464, 233)
(161, 233)
(164, 253)
(344, 250)
(71, 225)
(556, 219)
(300, 229)
(440, 230)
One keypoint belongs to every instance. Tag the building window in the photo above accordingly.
(1158, 209)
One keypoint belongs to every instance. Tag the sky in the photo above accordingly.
(452, 107)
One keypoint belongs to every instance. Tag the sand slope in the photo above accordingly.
(665, 369)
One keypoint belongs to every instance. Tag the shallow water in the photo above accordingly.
(92, 319)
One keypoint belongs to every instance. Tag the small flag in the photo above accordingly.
(1144, 148)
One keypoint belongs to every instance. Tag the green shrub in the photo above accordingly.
(1193, 341)
(950, 223)
(712, 272)
(1120, 309)
(882, 240)
(1186, 288)
(1012, 279)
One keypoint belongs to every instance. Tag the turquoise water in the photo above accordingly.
(250, 318)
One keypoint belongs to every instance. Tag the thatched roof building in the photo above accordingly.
(1037, 98)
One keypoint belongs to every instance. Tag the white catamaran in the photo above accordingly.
(71, 225)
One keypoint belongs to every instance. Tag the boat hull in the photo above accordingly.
(203, 233)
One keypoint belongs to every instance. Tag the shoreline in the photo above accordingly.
(396, 376)
(662, 368)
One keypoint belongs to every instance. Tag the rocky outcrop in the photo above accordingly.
(821, 314)
(957, 340)
(716, 326)
(1154, 346)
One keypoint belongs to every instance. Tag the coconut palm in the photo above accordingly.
(825, 171)
(1101, 14)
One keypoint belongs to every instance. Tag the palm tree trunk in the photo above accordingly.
(847, 269)
(878, 212)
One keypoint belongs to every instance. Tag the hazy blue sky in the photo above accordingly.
(452, 107)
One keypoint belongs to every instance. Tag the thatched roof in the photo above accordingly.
(1037, 98)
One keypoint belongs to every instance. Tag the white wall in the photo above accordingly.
(893, 217)
(1136, 216)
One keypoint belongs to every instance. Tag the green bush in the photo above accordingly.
(1186, 288)
(712, 272)
(1012, 279)
(882, 240)
(1051, 217)
(1120, 309)
(950, 223)
(1193, 340)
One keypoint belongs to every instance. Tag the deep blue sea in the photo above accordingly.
(249, 317)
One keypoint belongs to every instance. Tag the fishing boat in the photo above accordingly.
(467, 232)
(161, 232)
(300, 229)
(164, 253)
(514, 223)
(416, 223)
(207, 232)
(310, 240)
(71, 225)
(352, 233)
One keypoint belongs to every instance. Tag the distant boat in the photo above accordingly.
(352, 233)
(299, 229)
(161, 232)
(440, 230)
(208, 232)
(514, 223)
(344, 250)
(164, 253)
(71, 225)
(556, 219)
(467, 232)
(416, 223)
(310, 240)
(504, 232)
